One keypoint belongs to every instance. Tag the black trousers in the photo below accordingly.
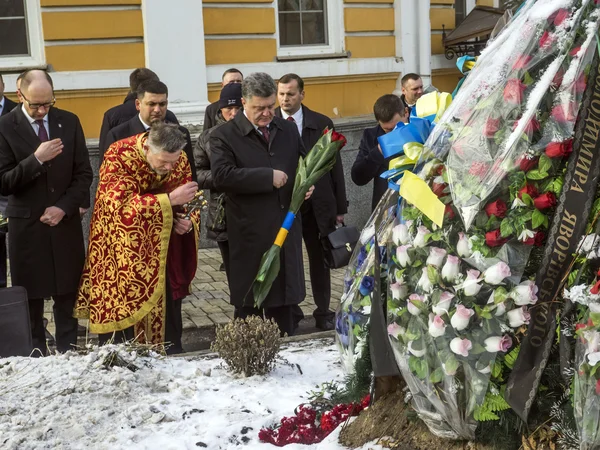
(320, 275)
(3, 259)
(286, 317)
(224, 249)
(173, 327)
(66, 324)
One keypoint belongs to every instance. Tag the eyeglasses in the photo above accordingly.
(38, 105)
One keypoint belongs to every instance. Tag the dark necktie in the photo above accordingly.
(291, 119)
(42, 133)
(265, 133)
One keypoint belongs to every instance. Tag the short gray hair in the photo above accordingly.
(165, 137)
(258, 84)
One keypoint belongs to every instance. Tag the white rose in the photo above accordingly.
(400, 234)
(403, 256)
(419, 241)
(518, 317)
(463, 247)
(472, 284)
(417, 353)
(424, 282)
(525, 293)
(437, 327)
(461, 318)
(436, 256)
(443, 305)
(451, 269)
(497, 273)
(399, 291)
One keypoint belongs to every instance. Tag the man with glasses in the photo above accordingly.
(45, 172)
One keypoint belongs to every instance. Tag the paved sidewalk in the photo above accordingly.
(208, 305)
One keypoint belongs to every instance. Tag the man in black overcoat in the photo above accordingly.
(254, 160)
(45, 172)
(327, 206)
(151, 103)
(211, 115)
(122, 113)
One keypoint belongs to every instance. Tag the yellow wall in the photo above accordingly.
(445, 79)
(239, 20)
(352, 95)
(485, 3)
(371, 46)
(368, 19)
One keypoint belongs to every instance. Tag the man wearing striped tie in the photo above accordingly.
(45, 172)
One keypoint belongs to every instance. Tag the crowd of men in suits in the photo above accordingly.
(246, 157)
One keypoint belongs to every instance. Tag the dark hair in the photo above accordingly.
(153, 87)
(409, 76)
(232, 70)
(165, 137)
(387, 106)
(289, 77)
(139, 76)
(258, 84)
(27, 77)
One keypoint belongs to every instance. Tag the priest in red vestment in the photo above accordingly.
(143, 245)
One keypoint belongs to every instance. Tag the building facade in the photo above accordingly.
(348, 51)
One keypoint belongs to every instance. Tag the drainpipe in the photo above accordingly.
(424, 41)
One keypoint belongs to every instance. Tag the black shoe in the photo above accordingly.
(324, 324)
(222, 267)
(49, 338)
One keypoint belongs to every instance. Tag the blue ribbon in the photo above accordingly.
(289, 220)
(417, 130)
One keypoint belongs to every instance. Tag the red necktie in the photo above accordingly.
(265, 133)
(291, 119)
(42, 133)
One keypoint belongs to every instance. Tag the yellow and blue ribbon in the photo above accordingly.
(285, 229)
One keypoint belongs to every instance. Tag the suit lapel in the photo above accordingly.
(136, 126)
(55, 125)
(24, 130)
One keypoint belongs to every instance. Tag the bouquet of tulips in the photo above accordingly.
(319, 160)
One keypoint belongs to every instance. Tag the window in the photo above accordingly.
(302, 22)
(309, 27)
(460, 11)
(21, 43)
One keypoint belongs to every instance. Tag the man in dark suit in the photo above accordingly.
(389, 109)
(327, 206)
(232, 75)
(253, 159)
(45, 171)
(151, 104)
(122, 113)
(6, 106)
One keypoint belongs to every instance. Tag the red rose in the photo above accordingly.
(559, 149)
(438, 189)
(545, 201)
(491, 127)
(558, 78)
(532, 126)
(597, 387)
(564, 113)
(440, 169)
(338, 137)
(478, 169)
(546, 40)
(539, 238)
(513, 91)
(522, 62)
(579, 326)
(497, 208)
(580, 84)
(558, 17)
(449, 212)
(494, 239)
(529, 190)
(574, 51)
(526, 163)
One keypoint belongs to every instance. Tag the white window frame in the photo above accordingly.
(35, 36)
(335, 31)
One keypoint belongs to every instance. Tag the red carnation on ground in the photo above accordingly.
(513, 91)
(491, 127)
(494, 239)
(559, 149)
(522, 62)
(546, 40)
(449, 212)
(438, 189)
(529, 190)
(545, 201)
(526, 164)
(497, 208)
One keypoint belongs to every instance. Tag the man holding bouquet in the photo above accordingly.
(254, 160)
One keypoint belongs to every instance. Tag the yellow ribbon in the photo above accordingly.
(280, 239)
(434, 103)
(412, 153)
(416, 192)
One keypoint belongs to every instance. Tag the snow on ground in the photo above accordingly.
(70, 402)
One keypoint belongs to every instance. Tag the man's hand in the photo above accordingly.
(309, 193)
(339, 219)
(379, 147)
(49, 150)
(183, 194)
(52, 216)
(82, 211)
(181, 225)
(279, 178)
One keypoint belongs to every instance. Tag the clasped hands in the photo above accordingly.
(178, 197)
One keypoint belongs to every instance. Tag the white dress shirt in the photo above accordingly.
(255, 126)
(34, 125)
(298, 117)
(1, 105)
(146, 126)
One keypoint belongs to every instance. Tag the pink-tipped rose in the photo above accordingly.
(451, 269)
(497, 273)
(463, 247)
(402, 255)
(443, 305)
(498, 344)
(437, 326)
(460, 319)
(472, 284)
(461, 346)
(436, 256)
(525, 293)
(513, 91)
(419, 241)
(518, 317)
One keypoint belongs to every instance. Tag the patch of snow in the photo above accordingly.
(70, 401)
